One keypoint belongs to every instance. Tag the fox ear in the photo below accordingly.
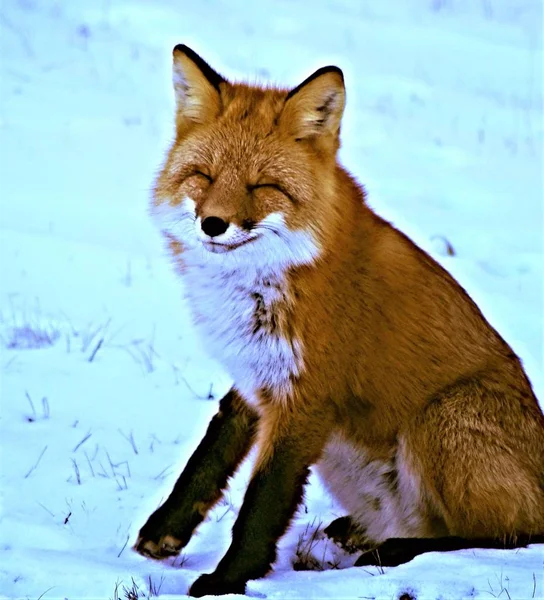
(197, 88)
(315, 107)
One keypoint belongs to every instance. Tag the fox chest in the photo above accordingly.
(243, 318)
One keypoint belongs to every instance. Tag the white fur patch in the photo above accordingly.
(230, 291)
(364, 488)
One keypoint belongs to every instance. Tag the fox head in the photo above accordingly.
(251, 174)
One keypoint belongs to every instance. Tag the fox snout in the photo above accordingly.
(218, 235)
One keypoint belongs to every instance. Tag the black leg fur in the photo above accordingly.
(269, 504)
(228, 439)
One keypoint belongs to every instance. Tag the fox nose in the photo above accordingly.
(213, 226)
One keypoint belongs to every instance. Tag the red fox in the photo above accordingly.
(349, 347)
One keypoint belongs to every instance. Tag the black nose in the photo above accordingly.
(213, 226)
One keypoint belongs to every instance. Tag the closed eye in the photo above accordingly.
(273, 186)
(207, 177)
(265, 185)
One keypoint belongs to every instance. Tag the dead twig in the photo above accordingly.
(33, 468)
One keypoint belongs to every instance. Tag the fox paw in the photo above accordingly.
(165, 546)
(346, 534)
(213, 584)
(166, 532)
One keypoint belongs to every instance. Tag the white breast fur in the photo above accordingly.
(233, 310)
(239, 298)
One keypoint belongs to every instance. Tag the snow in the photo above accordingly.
(104, 388)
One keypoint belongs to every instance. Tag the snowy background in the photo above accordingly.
(104, 389)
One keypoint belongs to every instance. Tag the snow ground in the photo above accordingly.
(103, 385)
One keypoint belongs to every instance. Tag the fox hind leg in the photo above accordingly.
(478, 449)
(476, 452)
(467, 472)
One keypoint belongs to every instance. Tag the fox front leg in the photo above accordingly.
(271, 499)
(228, 439)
